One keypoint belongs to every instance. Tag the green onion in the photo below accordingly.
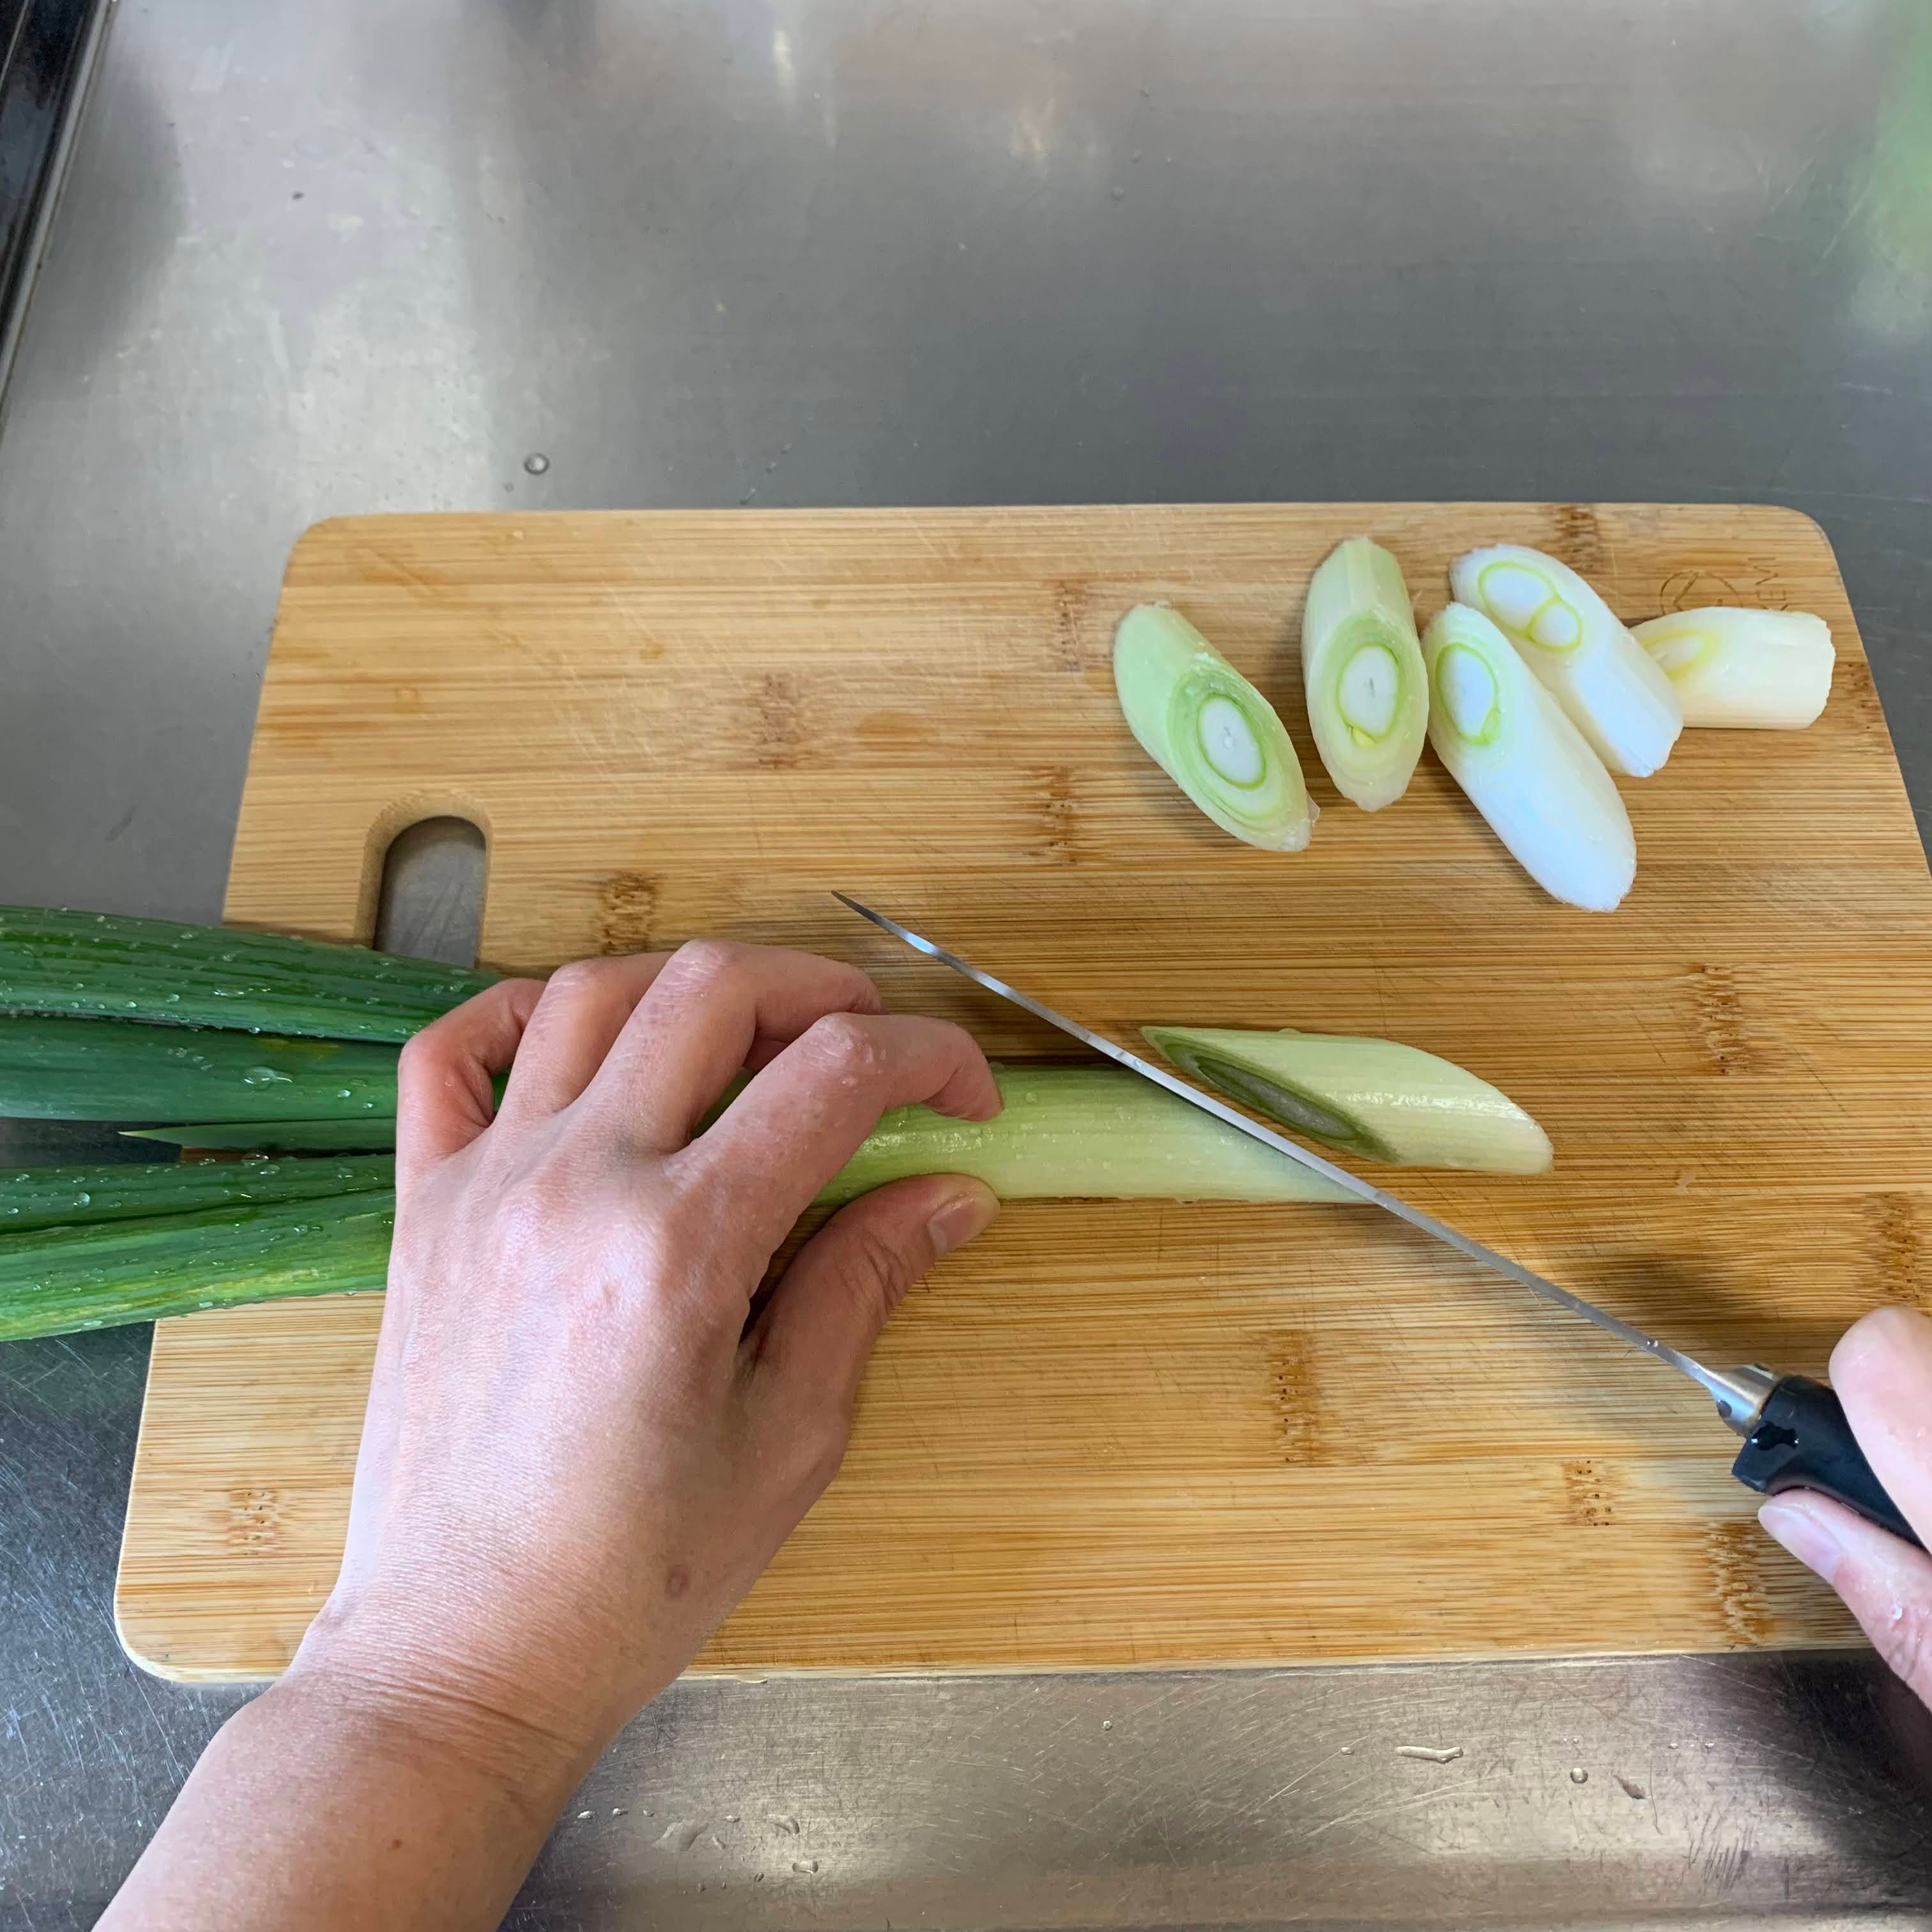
(1361, 666)
(51, 1197)
(1376, 1098)
(63, 1279)
(1094, 1131)
(1526, 767)
(1765, 670)
(1601, 675)
(274, 1136)
(1209, 730)
(1091, 1132)
(103, 966)
(99, 1069)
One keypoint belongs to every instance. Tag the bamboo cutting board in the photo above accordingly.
(1147, 1433)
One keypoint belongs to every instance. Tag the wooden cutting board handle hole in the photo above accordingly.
(429, 902)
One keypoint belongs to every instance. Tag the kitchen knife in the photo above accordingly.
(1796, 1435)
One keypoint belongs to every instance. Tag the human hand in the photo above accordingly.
(577, 1457)
(1883, 1372)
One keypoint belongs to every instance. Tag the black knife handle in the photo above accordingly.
(1803, 1441)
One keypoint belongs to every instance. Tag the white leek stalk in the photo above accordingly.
(1766, 670)
(1376, 1098)
(1209, 730)
(1526, 767)
(1361, 665)
(1097, 1131)
(1603, 678)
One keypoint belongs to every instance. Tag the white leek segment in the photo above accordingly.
(1361, 666)
(1209, 730)
(1603, 678)
(1097, 1131)
(1767, 671)
(1526, 767)
(1376, 1098)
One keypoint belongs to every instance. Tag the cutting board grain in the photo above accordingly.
(1131, 1434)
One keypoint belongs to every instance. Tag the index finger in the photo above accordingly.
(444, 1094)
(801, 1119)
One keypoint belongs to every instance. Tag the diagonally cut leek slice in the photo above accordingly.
(1361, 665)
(1373, 1097)
(1767, 671)
(1526, 767)
(1209, 730)
(1603, 678)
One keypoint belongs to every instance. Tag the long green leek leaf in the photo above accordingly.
(1605, 681)
(1526, 767)
(1093, 1132)
(1376, 1098)
(1760, 670)
(83, 1069)
(1361, 667)
(274, 1136)
(102, 965)
(1209, 730)
(53, 1197)
(63, 1279)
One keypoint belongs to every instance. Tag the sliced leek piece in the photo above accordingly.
(1526, 767)
(1764, 670)
(1209, 730)
(1361, 667)
(1376, 1098)
(1603, 679)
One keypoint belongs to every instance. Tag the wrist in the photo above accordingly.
(400, 1706)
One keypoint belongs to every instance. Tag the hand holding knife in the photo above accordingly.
(1796, 1435)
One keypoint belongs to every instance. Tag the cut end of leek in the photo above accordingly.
(1209, 730)
(1376, 1098)
(1606, 683)
(1525, 766)
(1762, 670)
(1361, 666)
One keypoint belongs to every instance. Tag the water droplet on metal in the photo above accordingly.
(536, 462)
(1578, 1775)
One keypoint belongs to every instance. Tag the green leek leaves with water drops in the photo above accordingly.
(1209, 730)
(1361, 667)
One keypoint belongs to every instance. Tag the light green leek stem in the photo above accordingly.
(1361, 663)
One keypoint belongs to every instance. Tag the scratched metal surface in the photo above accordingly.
(318, 259)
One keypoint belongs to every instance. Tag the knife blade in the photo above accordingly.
(1795, 1430)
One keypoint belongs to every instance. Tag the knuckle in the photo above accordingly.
(708, 962)
(576, 978)
(846, 1044)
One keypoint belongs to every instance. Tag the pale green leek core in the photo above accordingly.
(1361, 667)
(1375, 1098)
(1209, 730)
(1763, 670)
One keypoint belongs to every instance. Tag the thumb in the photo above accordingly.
(817, 1332)
(1886, 1582)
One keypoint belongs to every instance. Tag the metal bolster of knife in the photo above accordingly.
(1801, 1440)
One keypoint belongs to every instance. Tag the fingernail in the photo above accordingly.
(962, 1217)
(1800, 1532)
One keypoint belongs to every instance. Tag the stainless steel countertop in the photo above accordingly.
(360, 256)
